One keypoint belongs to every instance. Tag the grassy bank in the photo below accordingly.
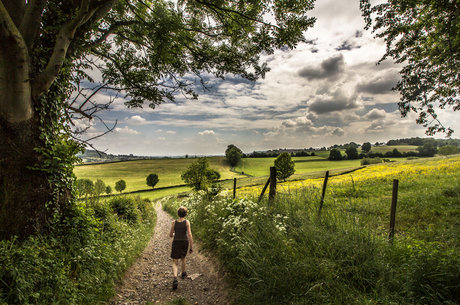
(284, 253)
(81, 259)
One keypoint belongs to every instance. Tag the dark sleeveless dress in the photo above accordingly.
(180, 241)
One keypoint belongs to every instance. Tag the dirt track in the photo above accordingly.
(150, 278)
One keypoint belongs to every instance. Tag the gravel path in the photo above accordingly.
(149, 279)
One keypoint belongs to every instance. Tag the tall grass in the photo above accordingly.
(80, 261)
(282, 252)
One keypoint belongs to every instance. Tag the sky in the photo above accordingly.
(327, 91)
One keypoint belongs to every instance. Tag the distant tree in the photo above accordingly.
(284, 166)
(233, 155)
(397, 153)
(85, 187)
(199, 175)
(366, 147)
(152, 180)
(120, 186)
(352, 153)
(335, 155)
(99, 187)
(427, 150)
(108, 190)
(448, 150)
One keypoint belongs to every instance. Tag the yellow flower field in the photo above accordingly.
(384, 173)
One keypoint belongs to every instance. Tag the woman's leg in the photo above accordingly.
(175, 261)
(183, 264)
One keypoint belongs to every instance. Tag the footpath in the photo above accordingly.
(149, 279)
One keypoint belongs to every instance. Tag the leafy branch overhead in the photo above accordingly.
(148, 50)
(424, 35)
(56, 56)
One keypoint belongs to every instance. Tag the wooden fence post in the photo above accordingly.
(263, 190)
(272, 190)
(394, 199)
(234, 188)
(323, 193)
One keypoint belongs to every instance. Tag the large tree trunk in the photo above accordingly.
(24, 193)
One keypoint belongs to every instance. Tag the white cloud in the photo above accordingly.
(126, 130)
(207, 133)
(136, 120)
(171, 132)
(375, 114)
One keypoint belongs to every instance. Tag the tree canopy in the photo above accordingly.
(284, 166)
(335, 155)
(233, 155)
(120, 185)
(152, 180)
(147, 52)
(424, 35)
(366, 147)
(199, 175)
(352, 153)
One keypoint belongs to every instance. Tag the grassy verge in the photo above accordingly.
(282, 252)
(80, 261)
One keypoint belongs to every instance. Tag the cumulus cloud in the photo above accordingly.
(336, 101)
(338, 132)
(377, 125)
(382, 83)
(375, 114)
(207, 133)
(330, 68)
(171, 132)
(126, 130)
(136, 120)
(255, 132)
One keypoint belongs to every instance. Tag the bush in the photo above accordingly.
(367, 161)
(125, 208)
(78, 262)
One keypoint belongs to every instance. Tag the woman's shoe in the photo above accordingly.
(175, 284)
(184, 274)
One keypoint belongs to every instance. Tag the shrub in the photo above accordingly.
(125, 208)
(77, 263)
(367, 161)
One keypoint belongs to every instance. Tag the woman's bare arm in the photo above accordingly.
(189, 235)
(171, 232)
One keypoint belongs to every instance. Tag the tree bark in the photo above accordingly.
(24, 193)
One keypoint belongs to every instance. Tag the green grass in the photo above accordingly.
(256, 171)
(81, 258)
(283, 253)
(135, 172)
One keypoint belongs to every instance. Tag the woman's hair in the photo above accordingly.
(182, 212)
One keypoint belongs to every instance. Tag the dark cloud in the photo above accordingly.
(358, 34)
(337, 101)
(346, 46)
(337, 132)
(329, 68)
(380, 84)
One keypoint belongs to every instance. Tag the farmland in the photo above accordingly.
(256, 171)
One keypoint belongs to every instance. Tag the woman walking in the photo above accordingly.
(182, 233)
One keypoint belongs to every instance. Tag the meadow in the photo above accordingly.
(284, 252)
(169, 170)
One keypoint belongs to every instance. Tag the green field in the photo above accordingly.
(169, 170)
